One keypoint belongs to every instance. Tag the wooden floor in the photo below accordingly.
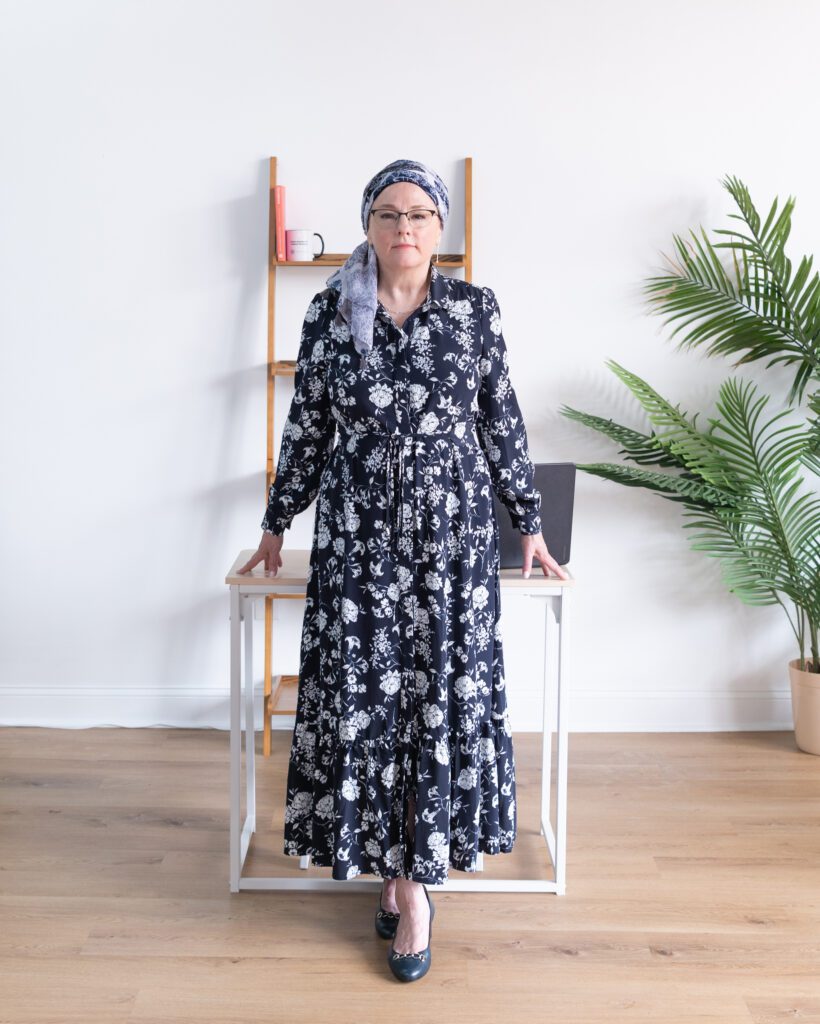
(693, 893)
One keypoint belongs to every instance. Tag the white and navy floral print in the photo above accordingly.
(401, 683)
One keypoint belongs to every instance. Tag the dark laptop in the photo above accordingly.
(556, 482)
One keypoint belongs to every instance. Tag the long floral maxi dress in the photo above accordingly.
(401, 681)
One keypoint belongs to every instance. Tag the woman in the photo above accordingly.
(401, 761)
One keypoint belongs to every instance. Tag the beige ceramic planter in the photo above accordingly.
(805, 707)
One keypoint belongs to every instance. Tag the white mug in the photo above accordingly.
(299, 244)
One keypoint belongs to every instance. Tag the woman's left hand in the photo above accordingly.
(533, 545)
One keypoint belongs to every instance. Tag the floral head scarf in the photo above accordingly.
(358, 280)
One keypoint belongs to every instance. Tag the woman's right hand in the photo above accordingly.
(269, 551)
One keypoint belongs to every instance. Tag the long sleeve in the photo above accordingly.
(500, 425)
(307, 437)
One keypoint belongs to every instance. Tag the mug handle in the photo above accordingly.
(316, 255)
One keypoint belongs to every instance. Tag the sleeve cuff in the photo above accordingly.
(529, 524)
(275, 522)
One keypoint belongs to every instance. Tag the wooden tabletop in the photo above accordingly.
(295, 562)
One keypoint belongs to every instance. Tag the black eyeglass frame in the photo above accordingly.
(405, 213)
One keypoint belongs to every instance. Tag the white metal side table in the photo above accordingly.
(292, 579)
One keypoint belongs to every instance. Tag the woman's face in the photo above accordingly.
(403, 245)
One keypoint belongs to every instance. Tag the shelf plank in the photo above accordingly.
(283, 368)
(284, 690)
(338, 259)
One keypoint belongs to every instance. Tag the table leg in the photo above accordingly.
(563, 742)
(250, 730)
(236, 765)
(546, 734)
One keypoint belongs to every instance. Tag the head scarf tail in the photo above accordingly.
(358, 279)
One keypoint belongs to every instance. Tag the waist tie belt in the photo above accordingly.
(400, 453)
(399, 449)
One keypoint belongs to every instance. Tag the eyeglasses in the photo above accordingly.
(416, 218)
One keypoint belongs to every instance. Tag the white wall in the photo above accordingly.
(135, 142)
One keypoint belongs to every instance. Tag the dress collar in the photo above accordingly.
(439, 288)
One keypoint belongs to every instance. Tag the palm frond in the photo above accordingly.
(674, 487)
(641, 448)
(755, 308)
(775, 528)
(722, 538)
(739, 486)
(812, 456)
(754, 454)
(679, 435)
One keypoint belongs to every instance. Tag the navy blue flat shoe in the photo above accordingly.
(386, 921)
(412, 966)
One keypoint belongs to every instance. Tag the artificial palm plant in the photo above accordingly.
(737, 480)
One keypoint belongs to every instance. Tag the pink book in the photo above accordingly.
(279, 220)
